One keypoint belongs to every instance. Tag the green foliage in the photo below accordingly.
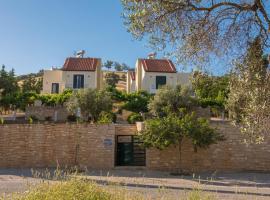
(112, 78)
(211, 90)
(121, 67)
(134, 117)
(55, 99)
(2, 121)
(108, 64)
(79, 189)
(8, 82)
(248, 103)
(91, 103)
(116, 95)
(32, 84)
(107, 118)
(170, 130)
(71, 118)
(196, 30)
(32, 119)
(171, 100)
(8, 88)
(137, 101)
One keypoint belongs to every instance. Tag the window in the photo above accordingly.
(78, 81)
(160, 81)
(55, 88)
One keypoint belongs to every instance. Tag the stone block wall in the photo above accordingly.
(57, 113)
(93, 146)
(49, 145)
(229, 155)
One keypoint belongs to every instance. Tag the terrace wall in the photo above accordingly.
(92, 146)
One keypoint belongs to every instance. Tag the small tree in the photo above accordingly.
(32, 84)
(211, 91)
(174, 121)
(249, 98)
(108, 64)
(164, 132)
(137, 101)
(118, 66)
(91, 103)
(168, 99)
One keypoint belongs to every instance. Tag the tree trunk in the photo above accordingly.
(180, 155)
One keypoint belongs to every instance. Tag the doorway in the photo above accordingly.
(129, 151)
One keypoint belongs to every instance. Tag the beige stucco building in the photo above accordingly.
(76, 73)
(151, 74)
(131, 83)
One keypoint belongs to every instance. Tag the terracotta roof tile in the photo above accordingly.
(158, 65)
(80, 64)
(132, 75)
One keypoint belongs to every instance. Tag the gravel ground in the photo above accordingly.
(158, 185)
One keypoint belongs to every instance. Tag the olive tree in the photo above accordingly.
(198, 29)
(174, 121)
(169, 99)
(171, 130)
(249, 97)
(92, 102)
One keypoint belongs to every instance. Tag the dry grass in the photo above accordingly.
(64, 185)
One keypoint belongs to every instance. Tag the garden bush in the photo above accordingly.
(107, 118)
(78, 189)
(71, 118)
(137, 101)
(134, 117)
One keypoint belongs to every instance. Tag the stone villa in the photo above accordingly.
(80, 72)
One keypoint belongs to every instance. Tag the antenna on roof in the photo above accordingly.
(152, 55)
(80, 54)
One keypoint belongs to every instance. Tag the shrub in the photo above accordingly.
(78, 189)
(33, 118)
(107, 118)
(91, 103)
(171, 100)
(2, 121)
(116, 94)
(137, 101)
(134, 117)
(71, 118)
(48, 118)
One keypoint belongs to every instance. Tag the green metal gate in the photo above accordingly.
(130, 151)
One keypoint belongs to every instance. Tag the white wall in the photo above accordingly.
(149, 80)
(89, 78)
(52, 76)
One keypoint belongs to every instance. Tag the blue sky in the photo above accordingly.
(38, 34)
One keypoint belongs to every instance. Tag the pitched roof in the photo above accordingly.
(80, 64)
(158, 65)
(132, 75)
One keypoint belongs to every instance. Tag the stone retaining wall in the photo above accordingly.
(57, 113)
(49, 145)
(92, 146)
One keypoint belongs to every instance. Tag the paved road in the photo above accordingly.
(157, 185)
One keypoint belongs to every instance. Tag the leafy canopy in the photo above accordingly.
(198, 29)
(92, 102)
(211, 90)
(249, 98)
(171, 100)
